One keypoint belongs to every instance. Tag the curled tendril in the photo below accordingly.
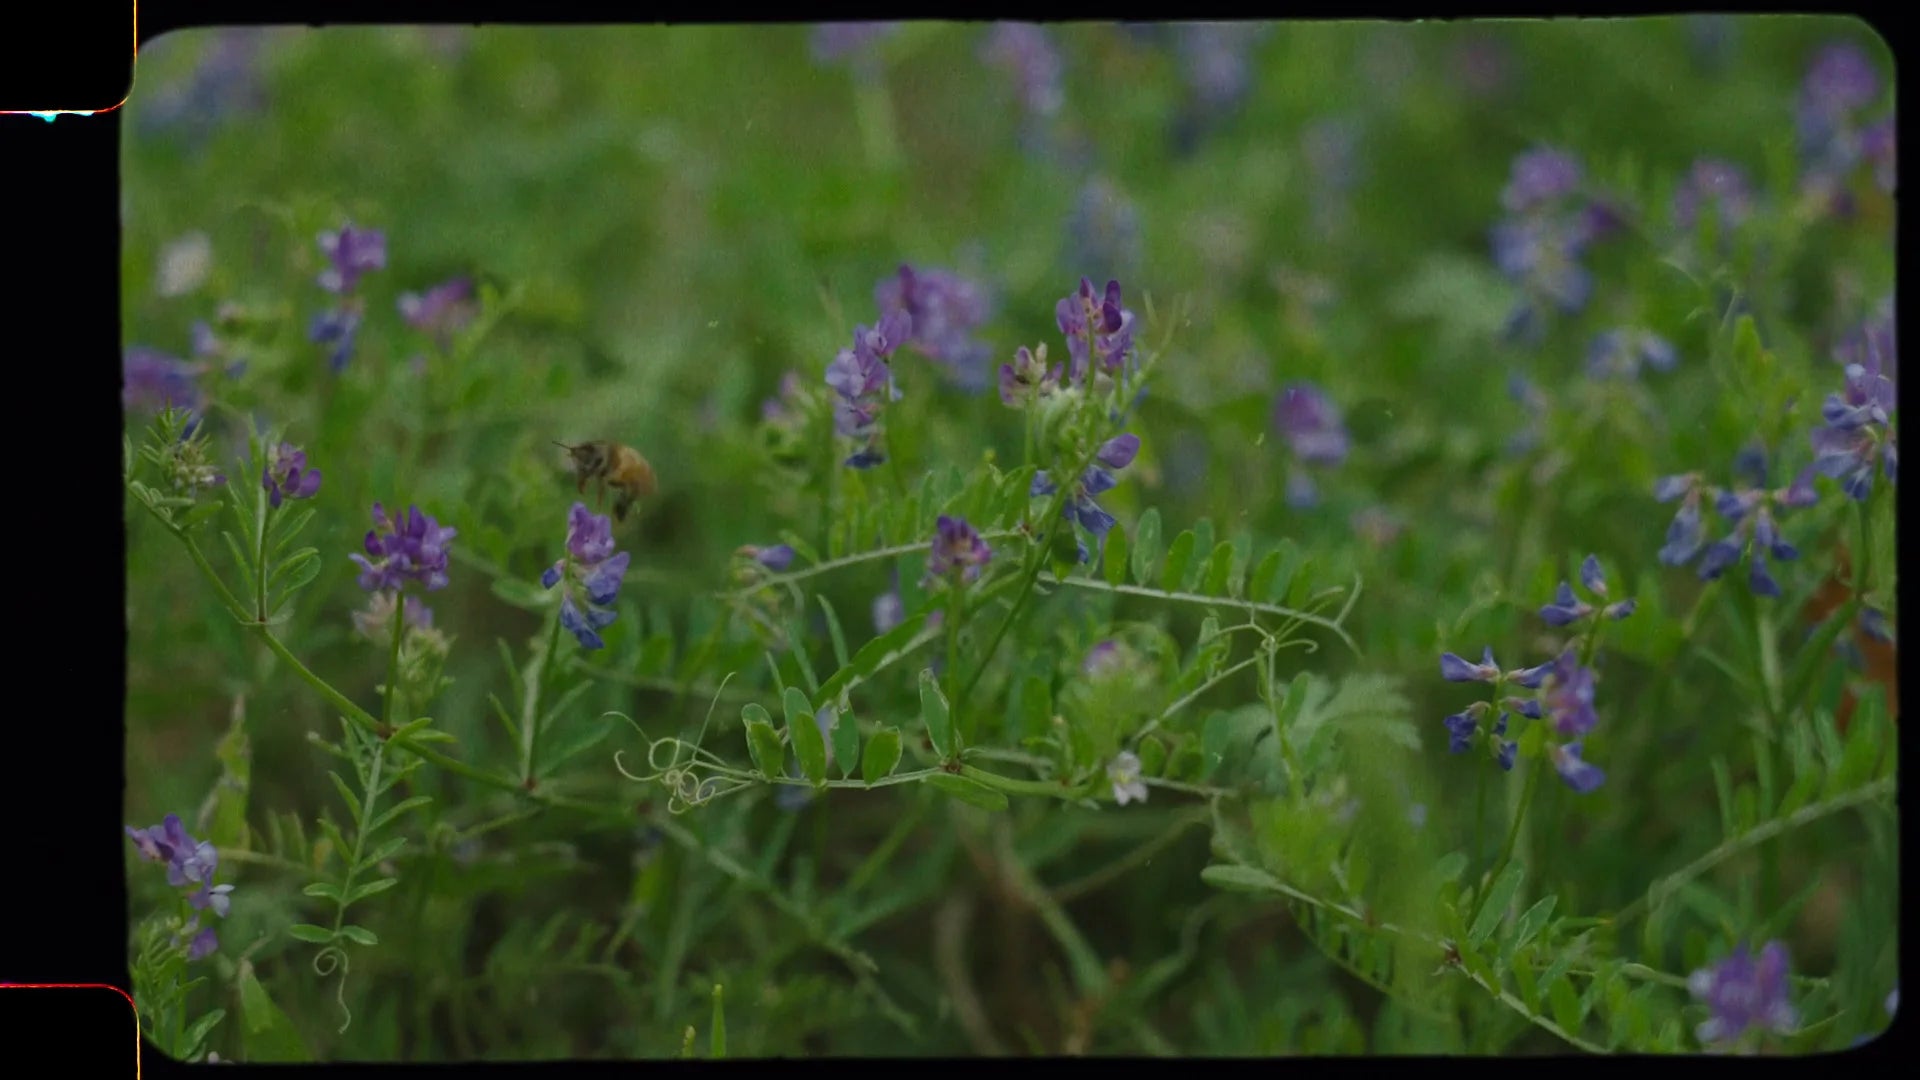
(325, 962)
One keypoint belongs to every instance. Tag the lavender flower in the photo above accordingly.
(350, 252)
(1215, 62)
(944, 310)
(1096, 327)
(1115, 454)
(1455, 669)
(1858, 433)
(863, 380)
(591, 571)
(1840, 84)
(1311, 425)
(1105, 658)
(1124, 773)
(1620, 354)
(1877, 146)
(190, 863)
(225, 82)
(287, 476)
(957, 554)
(1028, 379)
(1463, 725)
(1549, 225)
(1717, 183)
(776, 558)
(785, 406)
(441, 310)
(1579, 775)
(1745, 992)
(402, 550)
(337, 329)
(1025, 53)
(1751, 511)
(152, 381)
(1541, 176)
(1567, 696)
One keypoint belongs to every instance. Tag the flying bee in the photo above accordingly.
(612, 465)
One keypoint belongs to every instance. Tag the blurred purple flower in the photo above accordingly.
(441, 310)
(338, 329)
(1581, 776)
(863, 380)
(1567, 696)
(835, 42)
(776, 558)
(1620, 353)
(785, 405)
(402, 550)
(1215, 61)
(889, 611)
(1105, 658)
(286, 475)
(1717, 183)
(1745, 992)
(225, 82)
(1858, 433)
(1025, 53)
(945, 309)
(1541, 176)
(591, 572)
(1103, 231)
(152, 381)
(1455, 669)
(351, 251)
(957, 552)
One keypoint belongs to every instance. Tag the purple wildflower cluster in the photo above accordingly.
(226, 82)
(1620, 353)
(350, 252)
(152, 381)
(1749, 508)
(403, 550)
(1564, 688)
(1310, 424)
(440, 311)
(863, 379)
(286, 475)
(1716, 185)
(1857, 433)
(788, 403)
(1028, 380)
(589, 575)
(1835, 137)
(958, 553)
(1745, 992)
(1549, 226)
(1114, 455)
(190, 863)
(1099, 332)
(944, 310)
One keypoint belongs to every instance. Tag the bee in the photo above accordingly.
(612, 465)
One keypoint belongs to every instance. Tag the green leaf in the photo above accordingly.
(346, 794)
(1173, 575)
(266, 1031)
(1146, 546)
(846, 741)
(1263, 573)
(969, 791)
(1535, 918)
(934, 713)
(387, 850)
(1033, 709)
(371, 888)
(1239, 878)
(359, 935)
(839, 637)
(325, 890)
(1115, 569)
(763, 742)
(317, 935)
(297, 572)
(803, 731)
(1494, 908)
(196, 1033)
(717, 1042)
(1566, 1005)
(1286, 569)
(401, 807)
(1450, 866)
(882, 756)
(573, 739)
(1219, 570)
(871, 656)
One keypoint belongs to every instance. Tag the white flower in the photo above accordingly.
(1125, 774)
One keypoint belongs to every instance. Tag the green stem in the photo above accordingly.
(260, 563)
(1519, 815)
(1048, 788)
(360, 832)
(1862, 563)
(956, 614)
(393, 656)
(530, 712)
(213, 576)
(1479, 816)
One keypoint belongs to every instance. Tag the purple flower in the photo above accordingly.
(1751, 511)
(957, 552)
(287, 476)
(1841, 80)
(863, 381)
(944, 310)
(1503, 754)
(1124, 773)
(1115, 454)
(1104, 658)
(1620, 353)
(1540, 176)
(1579, 775)
(190, 863)
(1028, 378)
(1096, 326)
(1877, 146)
(350, 252)
(1532, 678)
(1858, 433)
(1462, 726)
(1215, 61)
(1455, 669)
(776, 558)
(1717, 183)
(441, 310)
(1566, 607)
(402, 550)
(1567, 696)
(202, 945)
(152, 381)
(591, 571)
(1541, 256)
(889, 611)
(1311, 424)
(1745, 992)
(225, 82)
(337, 329)
(1025, 53)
